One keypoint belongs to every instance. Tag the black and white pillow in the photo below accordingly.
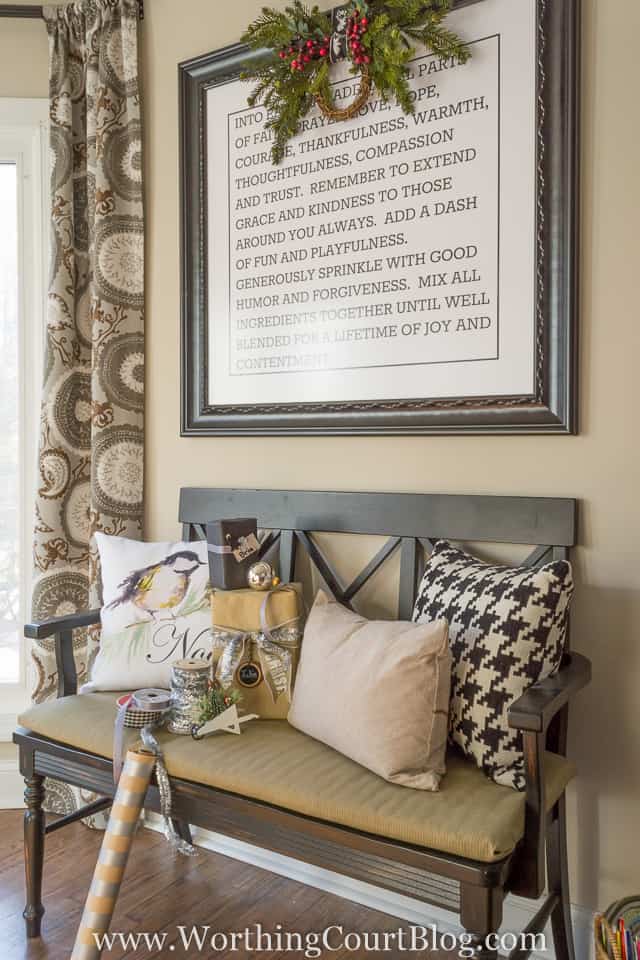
(507, 628)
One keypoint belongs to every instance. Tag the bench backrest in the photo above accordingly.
(411, 522)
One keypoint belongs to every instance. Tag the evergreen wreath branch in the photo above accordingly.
(216, 701)
(382, 37)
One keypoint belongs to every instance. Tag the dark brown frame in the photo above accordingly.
(33, 12)
(552, 408)
(473, 890)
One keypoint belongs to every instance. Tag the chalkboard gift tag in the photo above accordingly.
(249, 675)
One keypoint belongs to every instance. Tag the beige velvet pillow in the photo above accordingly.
(377, 691)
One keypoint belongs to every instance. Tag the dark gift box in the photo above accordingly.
(233, 547)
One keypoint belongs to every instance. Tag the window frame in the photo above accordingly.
(24, 140)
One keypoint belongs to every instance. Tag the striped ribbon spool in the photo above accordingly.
(151, 700)
(114, 853)
(134, 718)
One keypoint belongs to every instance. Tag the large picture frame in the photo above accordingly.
(547, 405)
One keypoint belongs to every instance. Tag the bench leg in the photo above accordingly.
(481, 915)
(558, 869)
(482, 951)
(33, 853)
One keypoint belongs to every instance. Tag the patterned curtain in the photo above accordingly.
(91, 441)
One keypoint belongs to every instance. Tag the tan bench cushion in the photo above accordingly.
(271, 761)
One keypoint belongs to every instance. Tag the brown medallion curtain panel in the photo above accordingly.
(91, 442)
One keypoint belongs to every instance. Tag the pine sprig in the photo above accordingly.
(287, 96)
(216, 701)
(295, 69)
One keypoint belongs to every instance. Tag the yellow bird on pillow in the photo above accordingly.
(160, 586)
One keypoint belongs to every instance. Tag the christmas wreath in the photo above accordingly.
(377, 37)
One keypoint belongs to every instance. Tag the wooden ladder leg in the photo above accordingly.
(33, 853)
(558, 870)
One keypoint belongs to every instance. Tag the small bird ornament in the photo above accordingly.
(161, 586)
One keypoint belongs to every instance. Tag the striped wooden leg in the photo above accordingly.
(114, 853)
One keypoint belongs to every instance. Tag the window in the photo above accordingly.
(22, 292)
(10, 606)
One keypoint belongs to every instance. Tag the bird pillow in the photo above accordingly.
(156, 610)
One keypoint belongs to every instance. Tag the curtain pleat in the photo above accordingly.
(91, 436)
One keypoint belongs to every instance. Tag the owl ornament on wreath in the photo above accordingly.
(376, 37)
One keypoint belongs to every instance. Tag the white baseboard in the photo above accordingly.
(11, 786)
(517, 914)
(7, 726)
(11, 783)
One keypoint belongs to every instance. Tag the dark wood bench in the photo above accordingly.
(474, 890)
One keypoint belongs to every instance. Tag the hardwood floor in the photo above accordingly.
(160, 892)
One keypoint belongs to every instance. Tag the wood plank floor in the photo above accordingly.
(160, 892)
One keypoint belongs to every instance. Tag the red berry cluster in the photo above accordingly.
(301, 52)
(356, 28)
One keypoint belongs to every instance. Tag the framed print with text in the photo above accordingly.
(395, 274)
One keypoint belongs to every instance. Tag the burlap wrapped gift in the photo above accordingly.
(256, 646)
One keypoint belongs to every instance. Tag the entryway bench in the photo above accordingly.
(463, 849)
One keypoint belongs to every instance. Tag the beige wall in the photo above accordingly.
(23, 58)
(601, 466)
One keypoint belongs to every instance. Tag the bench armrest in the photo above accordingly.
(536, 708)
(61, 628)
(49, 628)
(532, 714)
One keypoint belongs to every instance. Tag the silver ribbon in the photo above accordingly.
(274, 646)
(164, 790)
(149, 699)
(188, 687)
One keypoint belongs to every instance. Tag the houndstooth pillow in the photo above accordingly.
(507, 628)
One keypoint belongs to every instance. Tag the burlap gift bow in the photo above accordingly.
(274, 645)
